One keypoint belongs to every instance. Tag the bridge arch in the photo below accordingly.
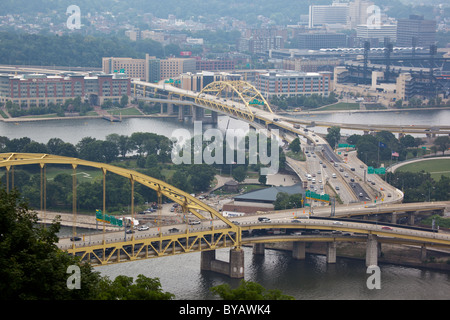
(185, 200)
(245, 93)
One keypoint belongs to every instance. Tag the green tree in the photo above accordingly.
(31, 265)
(333, 136)
(239, 173)
(123, 288)
(295, 145)
(248, 290)
(442, 143)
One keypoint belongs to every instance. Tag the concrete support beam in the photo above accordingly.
(394, 217)
(236, 263)
(298, 250)
(206, 259)
(423, 253)
(411, 216)
(180, 113)
(331, 252)
(258, 248)
(372, 250)
(233, 269)
(170, 108)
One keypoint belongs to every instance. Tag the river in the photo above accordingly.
(73, 130)
(310, 279)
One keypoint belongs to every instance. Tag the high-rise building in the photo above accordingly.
(381, 32)
(336, 13)
(416, 31)
(358, 13)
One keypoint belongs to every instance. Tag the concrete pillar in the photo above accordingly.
(371, 250)
(411, 216)
(423, 253)
(214, 117)
(237, 263)
(258, 248)
(298, 250)
(206, 259)
(394, 217)
(181, 113)
(170, 108)
(331, 252)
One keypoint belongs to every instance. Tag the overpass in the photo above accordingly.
(206, 230)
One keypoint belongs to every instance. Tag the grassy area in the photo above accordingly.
(436, 167)
(125, 112)
(341, 106)
(84, 174)
(299, 156)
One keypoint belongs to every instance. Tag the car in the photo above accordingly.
(386, 228)
(337, 223)
(143, 228)
(235, 222)
(174, 230)
(194, 222)
(130, 231)
(360, 194)
(75, 239)
(336, 232)
(263, 219)
(337, 187)
(295, 221)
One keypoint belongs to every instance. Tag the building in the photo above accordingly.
(134, 68)
(173, 67)
(213, 65)
(381, 32)
(310, 65)
(416, 31)
(358, 13)
(260, 200)
(291, 83)
(150, 69)
(197, 81)
(254, 45)
(320, 15)
(38, 89)
(320, 40)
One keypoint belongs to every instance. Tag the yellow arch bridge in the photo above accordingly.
(212, 231)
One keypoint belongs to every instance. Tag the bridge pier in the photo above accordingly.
(411, 218)
(233, 269)
(423, 253)
(258, 248)
(394, 217)
(372, 250)
(331, 252)
(299, 250)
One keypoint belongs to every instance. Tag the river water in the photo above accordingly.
(310, 279)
